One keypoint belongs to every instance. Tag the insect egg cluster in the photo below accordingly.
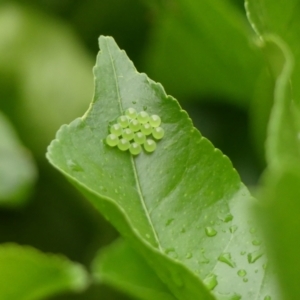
(134, 130)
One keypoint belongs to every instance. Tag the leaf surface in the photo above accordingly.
(17, 169)
(181, 207)
(28, 274)
(122, 267)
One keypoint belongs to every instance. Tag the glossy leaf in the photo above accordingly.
(28, 274)
(120, 266)
(17, 169)
(279, 213)
(181, 207)
(206, 45)
(279, 41)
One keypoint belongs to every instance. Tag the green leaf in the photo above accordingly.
(38, 56)
(279, 213)
(122, 267)
(206, 45)
(17, 169)
(28, 274)
(277, 29)
(181, 207)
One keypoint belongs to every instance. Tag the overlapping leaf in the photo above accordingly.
(27, 274)
(183, 207)
(120, 266)
(17, 170)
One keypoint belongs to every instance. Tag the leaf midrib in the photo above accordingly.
(138, 185)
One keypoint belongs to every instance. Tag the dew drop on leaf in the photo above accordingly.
(226, 258)
(243, 252)
(254, 256)
(242, 273)
(171, 252)
(267, 298)
(226, 218)
(210, 232)
(233, 228)
(189, 255)
(73, 165)
(245, 279)
(211, 281)
(231, 296)
(169, 221)
(256, 242)
(252, 230)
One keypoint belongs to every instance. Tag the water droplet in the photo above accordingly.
(256, 242)
(245, 279)
(73, 165)
(145, 107)
(254, 256)
(169, 221)
(256, 271)
(267, 298)
(116, 191)
(211, 281)
(226, 218)
(233, 228)
(264, 266)
(171, 252)
(189, 255)
(148, 236)
(133, 102)
(226, 258)
(243, 252)
(242, 273)
(212, 222)
(210, 231)
(252, 230)
(182, 230)
(231, 296)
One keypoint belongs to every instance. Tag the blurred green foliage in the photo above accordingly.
(47, 50)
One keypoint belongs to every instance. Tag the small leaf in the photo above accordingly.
(120, 266)
(17, 170)
(28, 274)
(178, 206)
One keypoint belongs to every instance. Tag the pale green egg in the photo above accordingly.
(158, 133)
(143, 117)
(139, 138)
(123, 121)
(146, 129)
(134, 125)
(116, 129)
(135, 149)
(128, 134)
(112, 140)
(123, 144)
(150, 145)
(131, 113)
(154, 120)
